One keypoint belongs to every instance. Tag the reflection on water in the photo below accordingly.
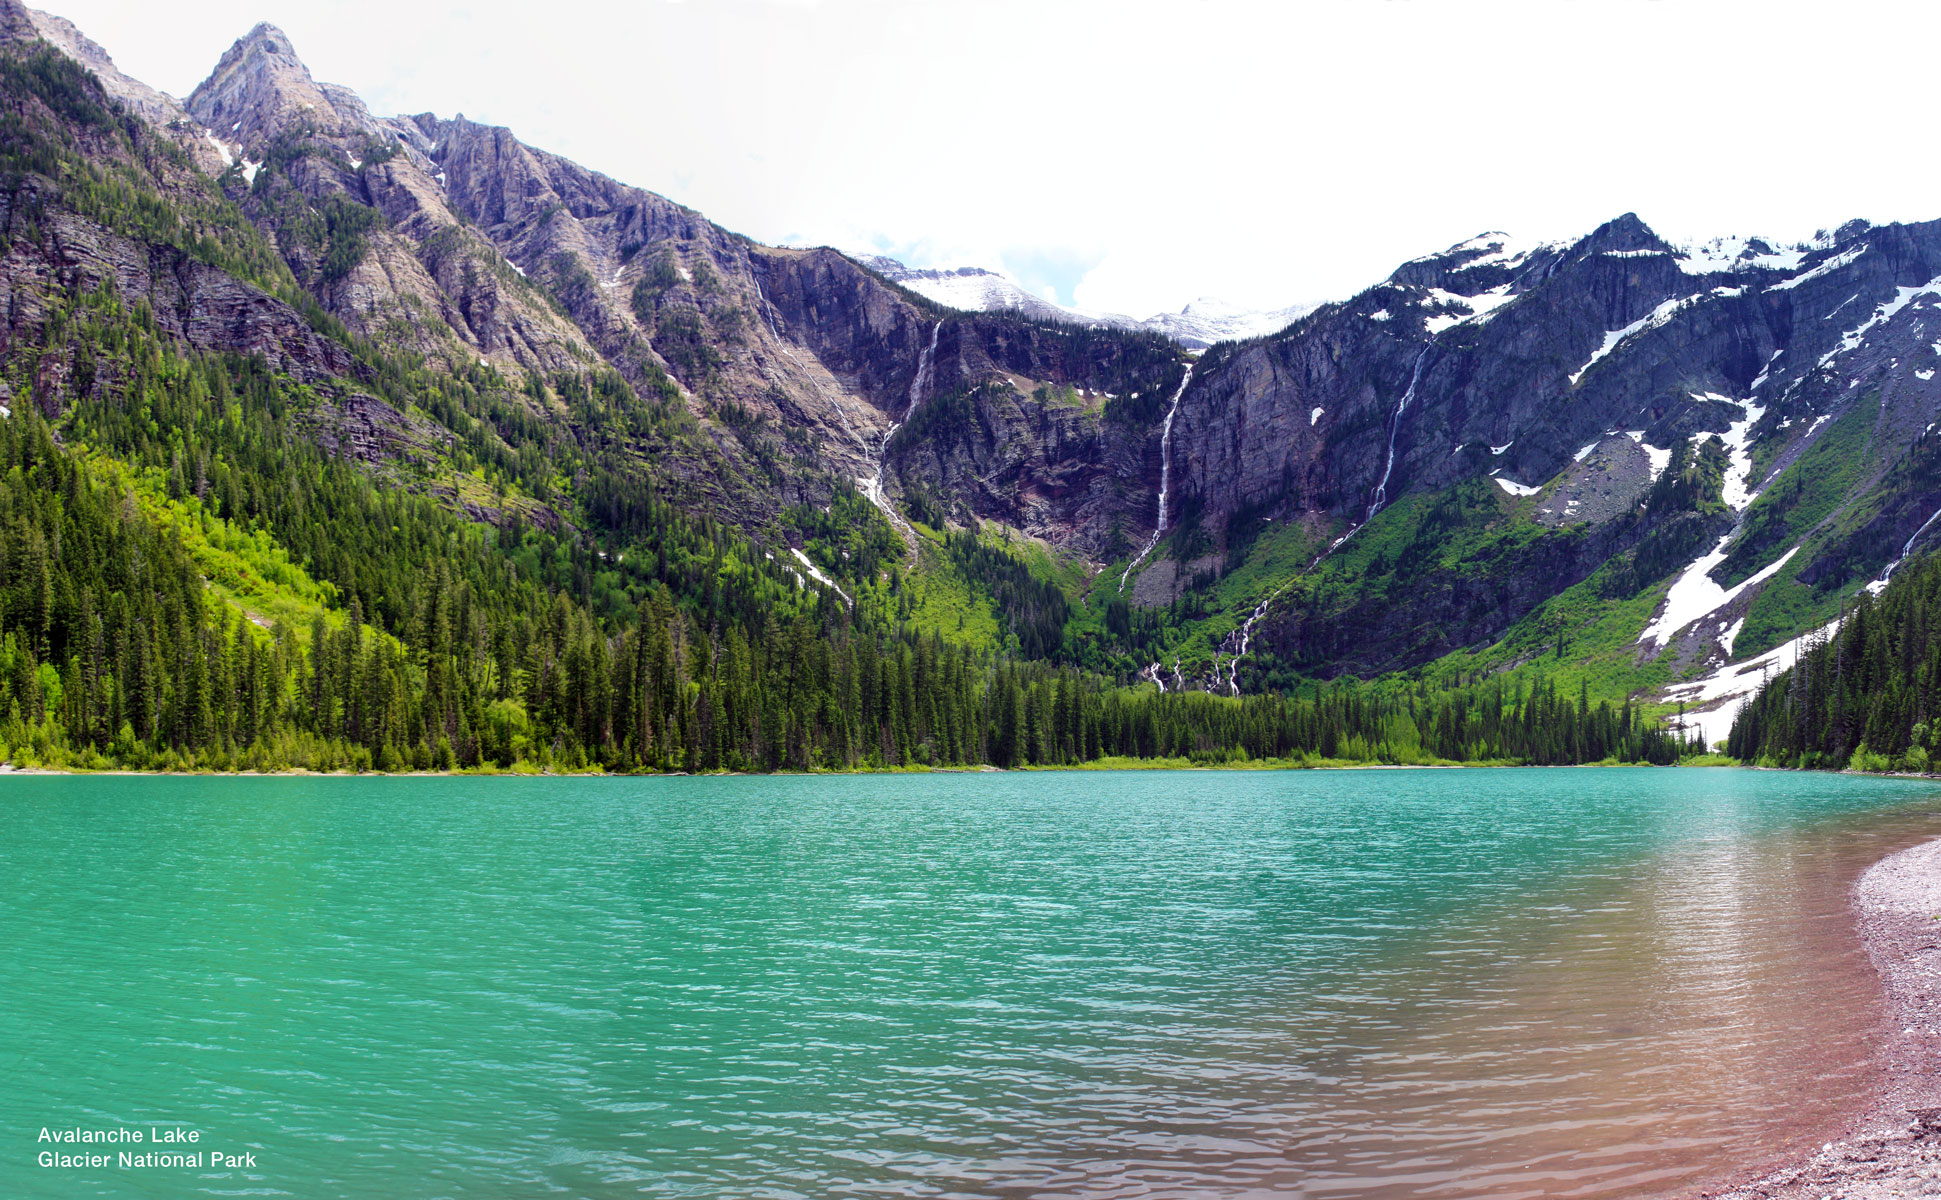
(1445, 984)
(1642, 1033)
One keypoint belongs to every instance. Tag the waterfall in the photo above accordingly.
(873, 486)
(925, 361)
(1907, 548)
(1246, 632)
(1380, 497)
(1394, 427)
(1165, 477)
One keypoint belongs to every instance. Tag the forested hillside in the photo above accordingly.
(1862, 695)
(237, 534)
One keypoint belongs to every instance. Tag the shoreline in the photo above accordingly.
(1893, 1147)
(1143, 764)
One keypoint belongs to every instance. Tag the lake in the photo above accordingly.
(1544, 982)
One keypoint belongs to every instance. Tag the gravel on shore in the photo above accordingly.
(1894, 1148)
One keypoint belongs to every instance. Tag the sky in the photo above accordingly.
(1128, 156)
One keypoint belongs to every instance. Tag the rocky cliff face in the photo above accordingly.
(1518, 365)
(1534, 393)
(50, 252)
(462, 242)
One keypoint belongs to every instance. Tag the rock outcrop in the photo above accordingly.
(1555, 380)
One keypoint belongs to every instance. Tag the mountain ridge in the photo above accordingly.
(1687, 455)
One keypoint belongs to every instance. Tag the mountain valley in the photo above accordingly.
(435, 449)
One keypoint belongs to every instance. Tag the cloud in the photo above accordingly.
(1136, 155)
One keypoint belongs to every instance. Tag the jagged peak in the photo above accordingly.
(1624, 233)
(1852, 231)
(1489, 262)
(264, 40)
(260, 85)
(265, 32)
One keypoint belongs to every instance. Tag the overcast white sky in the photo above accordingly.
(1131, 156)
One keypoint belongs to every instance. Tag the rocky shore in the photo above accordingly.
(1894, 1148)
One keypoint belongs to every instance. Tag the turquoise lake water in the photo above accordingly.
(1428, 983)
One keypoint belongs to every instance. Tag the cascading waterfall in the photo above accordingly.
(1246, 638)
(1245, 633)
(926, 361)
(1394, 427)
(1907, 548)
(873, 486)
(1165, 477)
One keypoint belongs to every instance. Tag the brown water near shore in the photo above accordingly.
(1661, 1033)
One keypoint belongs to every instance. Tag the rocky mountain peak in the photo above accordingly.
(16, 23)
(1624, 234)
(261, 88)
(1487, 262)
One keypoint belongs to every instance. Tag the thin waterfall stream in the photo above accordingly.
(1394, 427)
(873, 486)
(1907, 548)
(1245, 633)
(1165, 477)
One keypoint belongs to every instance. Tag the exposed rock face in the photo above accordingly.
(1521, 365)
(150, 105)
(417, 275)
(260, 88)
(1565, 374)
(16, 24)
(371, 431)
(201, 307)
(1618, 331)
(806, 339)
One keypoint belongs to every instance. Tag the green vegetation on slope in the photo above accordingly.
(1863, 698)
(204, 568)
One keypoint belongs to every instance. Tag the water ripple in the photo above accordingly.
(1439, 984)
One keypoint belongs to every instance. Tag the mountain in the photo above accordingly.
(1727, 440)
(975, 289)
(443, 448)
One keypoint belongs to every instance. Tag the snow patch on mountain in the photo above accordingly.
(1723, 693)
(1660, 459)
(1654, 319)
(1695, 594)
(1883, 313)
(1737, 254)
(228, 159)
(816, 573)
(977, 289)
(1492, 249)
(1457, 309)
(1826, 268)
(1735, 489)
